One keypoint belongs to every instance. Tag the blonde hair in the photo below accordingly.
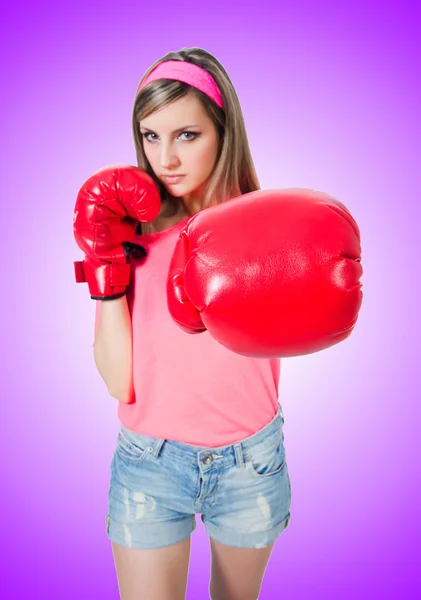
(234, 173)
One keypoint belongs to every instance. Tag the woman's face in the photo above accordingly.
(180, 139)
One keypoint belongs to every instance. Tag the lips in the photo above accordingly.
(172, 178)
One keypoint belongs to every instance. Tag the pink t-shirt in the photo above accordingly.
(188, 387)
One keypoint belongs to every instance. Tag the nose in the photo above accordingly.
(168, 156)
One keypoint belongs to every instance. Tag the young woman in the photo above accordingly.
(201, 427)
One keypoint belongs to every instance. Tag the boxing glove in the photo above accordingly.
(108, 207)
(269, 274)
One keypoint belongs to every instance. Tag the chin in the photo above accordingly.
(176, 193)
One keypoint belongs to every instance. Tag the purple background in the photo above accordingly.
(331, 98)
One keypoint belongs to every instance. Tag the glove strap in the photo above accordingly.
(106, 281)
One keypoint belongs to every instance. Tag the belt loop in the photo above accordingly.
(239, 459)
(281, 412)
(155, 448)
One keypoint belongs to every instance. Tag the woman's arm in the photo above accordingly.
(113, 348)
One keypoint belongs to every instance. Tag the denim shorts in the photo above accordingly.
(242, 491)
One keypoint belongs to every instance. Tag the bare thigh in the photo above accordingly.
(157, 574)
(237, 573)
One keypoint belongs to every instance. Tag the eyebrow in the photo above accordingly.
(176, 131)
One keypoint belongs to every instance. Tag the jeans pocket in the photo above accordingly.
(133, 449)
(267, 459)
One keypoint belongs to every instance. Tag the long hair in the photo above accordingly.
(234, 173)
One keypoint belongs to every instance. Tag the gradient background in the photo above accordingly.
(331, 99)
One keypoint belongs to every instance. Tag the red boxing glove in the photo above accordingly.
(269, 274)
(108, 207)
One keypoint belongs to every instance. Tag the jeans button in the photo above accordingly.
(207, 459)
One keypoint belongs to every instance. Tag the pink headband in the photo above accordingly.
(186, 72)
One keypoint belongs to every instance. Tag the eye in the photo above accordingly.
(189, 133)
(145, 135)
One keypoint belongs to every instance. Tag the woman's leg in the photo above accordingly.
(157, 574)
(237, 573)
